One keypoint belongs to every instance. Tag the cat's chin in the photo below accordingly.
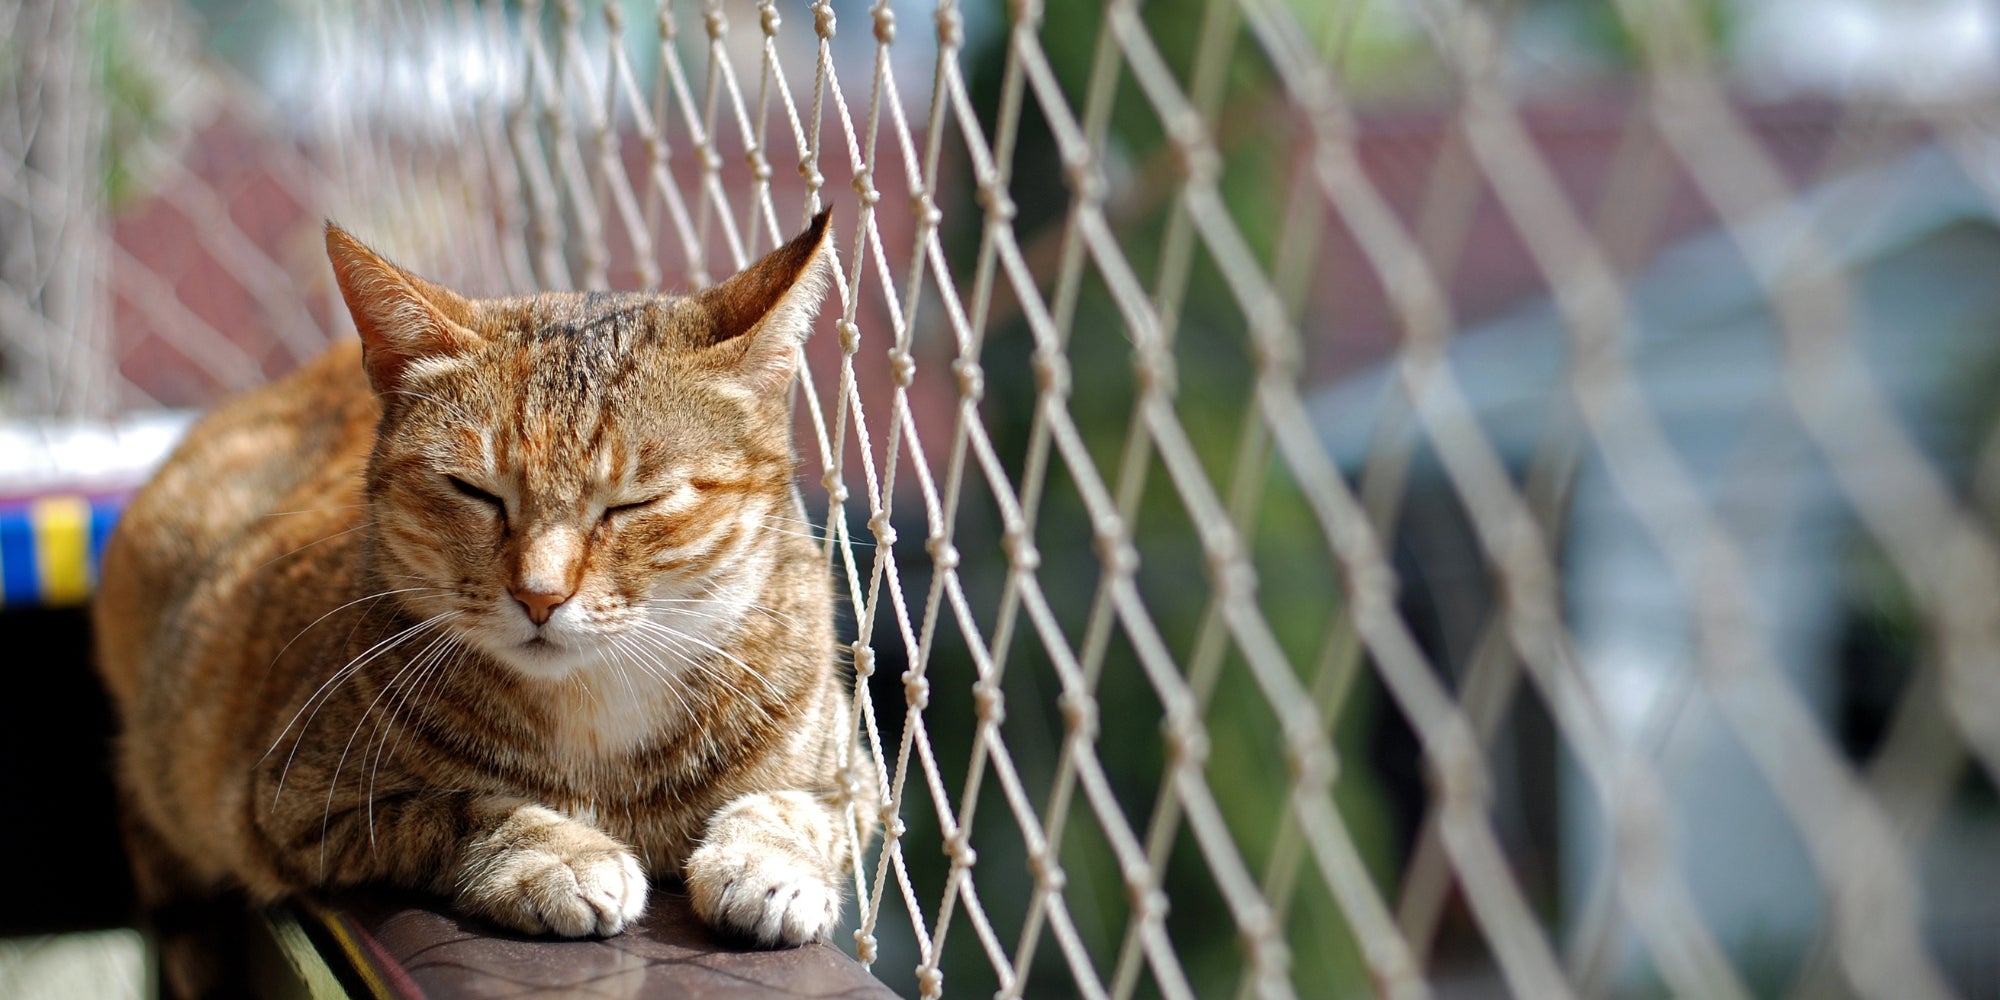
(540, 658)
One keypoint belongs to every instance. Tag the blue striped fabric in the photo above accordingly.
(20, 581)
(33, 562)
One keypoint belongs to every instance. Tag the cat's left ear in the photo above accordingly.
(402, 318)
(767, 309)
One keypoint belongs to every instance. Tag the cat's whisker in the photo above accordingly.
(315, 510)
(325, 691)
(454, 408)
(452, 643)
(651, 669)
(680, 603)
(700, 664)
(338, 675)
(316, 541)
(711, 647)
(813, 530)
(714, 594)
(335, 611)
(810, 536)
(624, 673)
(439, 672)
(781, 516)
(431, 663)
(696, 664)
(333, 784)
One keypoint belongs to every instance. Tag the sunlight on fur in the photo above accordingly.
(510, 600)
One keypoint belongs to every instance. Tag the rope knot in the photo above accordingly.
(971, 379)
(988, 703)
(943, 553)
(1020, 549)
(1079, 714)
(902, 367)
(916, 690)
(1147, 902)
(993, 198)
(1187, 745)
(1048, 875)
(1153, 370)
(1051, 372)
(1311, 765)
(864, 185)
(1084, 180)
(958, 847)
(925, 210)
(951, 28)
(885, 533)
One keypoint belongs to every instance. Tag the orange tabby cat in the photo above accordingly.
(511, 601)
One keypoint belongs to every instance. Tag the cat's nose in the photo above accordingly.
(539, 604)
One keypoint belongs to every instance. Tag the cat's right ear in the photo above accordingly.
(766, 309)
(402, 318)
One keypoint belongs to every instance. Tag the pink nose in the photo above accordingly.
(538, 604)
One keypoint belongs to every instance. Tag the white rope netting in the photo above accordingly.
(1082, 480)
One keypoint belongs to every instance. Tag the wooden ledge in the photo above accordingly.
(408, 947)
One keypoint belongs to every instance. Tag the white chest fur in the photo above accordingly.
(612, 711)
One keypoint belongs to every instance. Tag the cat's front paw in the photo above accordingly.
(761, 893)
(543, 873)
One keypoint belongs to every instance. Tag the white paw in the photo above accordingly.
(766, 895)
(598, 891)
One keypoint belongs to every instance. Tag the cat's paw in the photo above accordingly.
(762, 894)
(553, 875)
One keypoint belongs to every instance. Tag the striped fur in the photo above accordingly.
(536, 618)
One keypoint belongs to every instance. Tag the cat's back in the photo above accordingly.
(273, 468)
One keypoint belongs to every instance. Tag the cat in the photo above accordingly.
(512, 601)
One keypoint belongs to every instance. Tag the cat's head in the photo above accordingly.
(573, 477)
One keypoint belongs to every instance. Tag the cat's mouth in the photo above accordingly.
(540, 656)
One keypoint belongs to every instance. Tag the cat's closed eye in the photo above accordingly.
(475, 493)
(628, 508)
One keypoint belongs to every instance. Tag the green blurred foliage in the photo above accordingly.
(132, 98)
(1297, 590)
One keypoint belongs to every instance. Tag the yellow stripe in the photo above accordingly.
(62, 548)
(358, 958)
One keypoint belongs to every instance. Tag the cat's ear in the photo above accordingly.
(767, 308)
(402, 318)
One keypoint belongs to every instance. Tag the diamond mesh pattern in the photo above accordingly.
(1122, 608)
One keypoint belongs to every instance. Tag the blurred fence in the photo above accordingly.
(1422, 497)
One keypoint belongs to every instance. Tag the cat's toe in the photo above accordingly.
(614, 888)
(542, 892)
(767, 896)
